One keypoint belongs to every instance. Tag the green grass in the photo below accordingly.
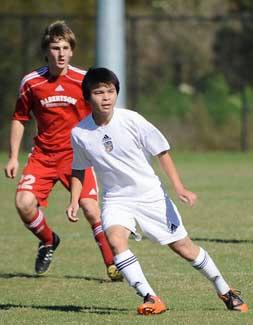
(77, 291)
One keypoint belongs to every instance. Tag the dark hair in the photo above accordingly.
(56, 31)
(95, 76)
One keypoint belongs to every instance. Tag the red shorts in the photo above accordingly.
(42, 171)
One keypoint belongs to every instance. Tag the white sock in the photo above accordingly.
(128, 265)
(206, 266)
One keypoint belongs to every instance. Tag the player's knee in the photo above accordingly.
(117, 241)
(25, 202)
(91, 210)
(114, 241)
(186, 249)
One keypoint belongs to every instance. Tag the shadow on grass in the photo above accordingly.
(18, 275)
(87, 278)
(70, 308)
(224, 241)
(35, 276)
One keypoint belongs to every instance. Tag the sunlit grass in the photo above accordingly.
(77, 290)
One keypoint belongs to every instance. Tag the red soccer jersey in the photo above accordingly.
(56, 103)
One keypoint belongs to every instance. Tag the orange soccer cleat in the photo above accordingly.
(151, 305)
(233, 301)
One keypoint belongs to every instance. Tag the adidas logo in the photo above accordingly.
(106, 137)
(93, 192)
(59, 88)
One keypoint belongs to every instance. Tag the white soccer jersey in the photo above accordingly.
(119, 153)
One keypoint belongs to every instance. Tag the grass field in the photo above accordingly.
(77, 290)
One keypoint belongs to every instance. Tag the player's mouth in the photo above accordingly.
(106, 108)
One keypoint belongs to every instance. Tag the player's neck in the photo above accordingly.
(102, 119)
(56, 72)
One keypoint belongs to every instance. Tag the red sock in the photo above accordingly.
(40, 229)
(102, 243)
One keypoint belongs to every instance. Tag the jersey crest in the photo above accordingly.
(107, 142)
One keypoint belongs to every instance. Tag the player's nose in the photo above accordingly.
(61, 52)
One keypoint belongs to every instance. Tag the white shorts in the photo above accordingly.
(160, 221)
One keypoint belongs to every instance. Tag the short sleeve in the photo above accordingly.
(80, 160)
(151, 138)
(23, 103)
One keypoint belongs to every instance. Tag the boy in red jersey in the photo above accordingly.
(53, 95)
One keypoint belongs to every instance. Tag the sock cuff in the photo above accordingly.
(201, 259)
(97, 224)
(36, 220)
(97, 229)
(123, 256)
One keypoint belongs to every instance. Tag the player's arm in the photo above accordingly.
(77, 179)
(169, 168)
(16, 135)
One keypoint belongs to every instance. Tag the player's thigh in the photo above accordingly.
(118, 214)
(160, 221)
(38, 177)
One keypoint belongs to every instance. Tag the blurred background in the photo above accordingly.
(189, 64)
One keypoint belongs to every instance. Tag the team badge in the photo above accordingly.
(107, 142)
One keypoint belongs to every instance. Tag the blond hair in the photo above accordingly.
(56, 31)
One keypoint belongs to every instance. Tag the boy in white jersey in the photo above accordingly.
(117, 143)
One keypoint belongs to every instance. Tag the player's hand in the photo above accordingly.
(72, 212)
(187, 197)
(11, 168)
